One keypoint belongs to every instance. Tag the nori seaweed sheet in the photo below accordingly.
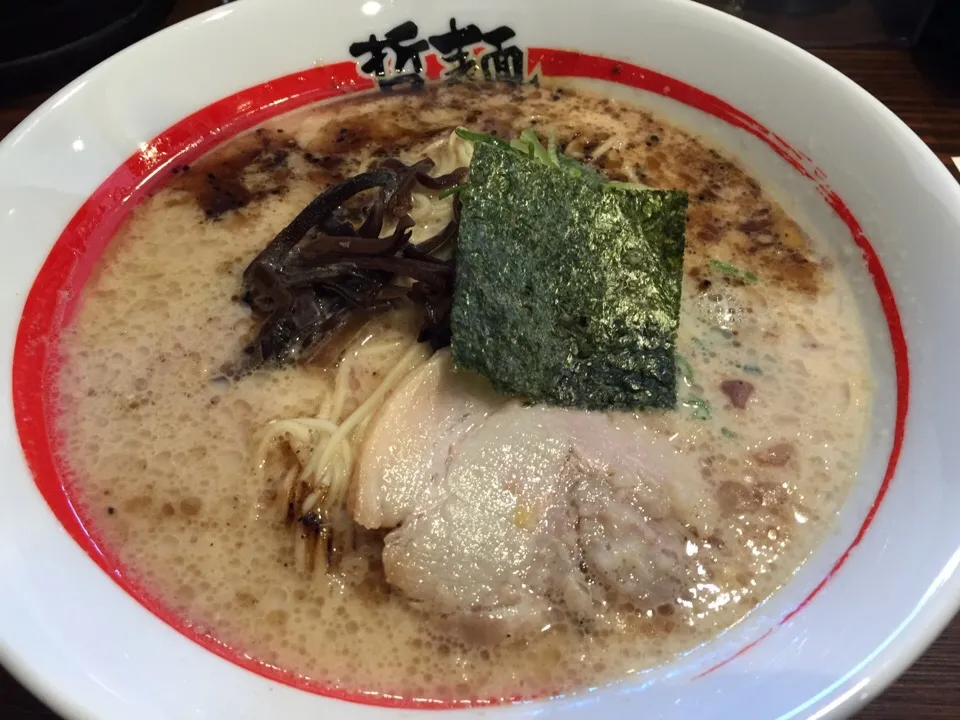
(567, 291)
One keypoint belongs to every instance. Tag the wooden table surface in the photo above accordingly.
(930, 690)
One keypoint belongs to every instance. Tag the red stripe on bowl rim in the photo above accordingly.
(54, 296)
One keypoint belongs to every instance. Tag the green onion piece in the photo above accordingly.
(529, 144)
(752, 369)
(552, 151)
(701, 346)
(618, 185)
(578, 169)
(732, 270)
(701, 408)
(480, 137)
(727, 432)
(685, 367)
(571, 166)
(451, 190)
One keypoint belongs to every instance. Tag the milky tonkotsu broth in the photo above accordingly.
(162, 456)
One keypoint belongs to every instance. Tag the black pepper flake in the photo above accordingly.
(616, 69)
(312, 521)
(111, 510)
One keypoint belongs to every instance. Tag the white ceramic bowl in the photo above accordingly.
(857, 613)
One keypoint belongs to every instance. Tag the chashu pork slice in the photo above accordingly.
(479, 546)
(410, 438)
(505, 514)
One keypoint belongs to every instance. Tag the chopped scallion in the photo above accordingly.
(732, 270)
(451, 190)
(701, 408)
(685, 367)
(480, 137)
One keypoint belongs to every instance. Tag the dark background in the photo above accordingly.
(877, 43)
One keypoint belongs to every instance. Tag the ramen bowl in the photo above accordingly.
(879, 588)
